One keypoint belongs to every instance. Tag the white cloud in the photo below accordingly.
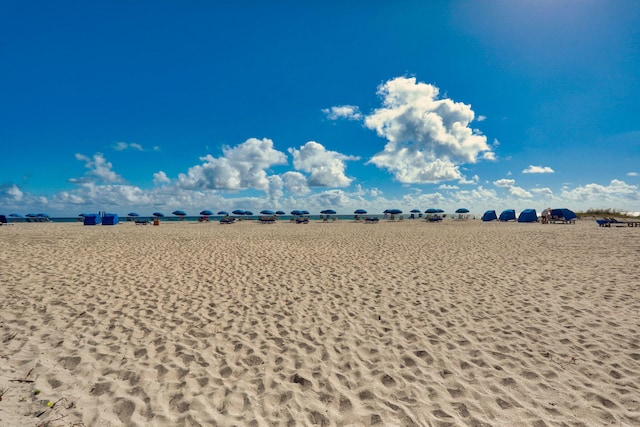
(121, 146)
(617, 192)
(544, 192)
(504, 183)
(326, 168)
(241, 167)
(15, 193)
(481, 118)
(349, 112)
(99, 170)
(538, 169)
(448, 187)
(295, 183)
(510, 185)
(160, 178)
(427, 138)
(632, 173)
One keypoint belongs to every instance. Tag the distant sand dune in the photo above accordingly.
(392, 324)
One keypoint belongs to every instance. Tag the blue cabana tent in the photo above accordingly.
(528, 215)
(489, 216)
(92, 219)
(563, 214)
(109, 219)
(508, 215)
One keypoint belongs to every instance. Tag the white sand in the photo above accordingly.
(390, 324)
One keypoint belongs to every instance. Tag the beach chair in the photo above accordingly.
(227, 220)
(371, 220)
(304, 220)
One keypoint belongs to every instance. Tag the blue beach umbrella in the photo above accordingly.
(248, 213)
(328, 212)
(415, 211)
(239, 212)
(431, 211)
(223, 213)
(15, 215)
(158, 214)
(280, 213)
(305, 212)
(296, 212)
(462, 210)
(206, 212)
(393, 211)
(179, 213)
(267, 212)
(359, 212)
(133, 214)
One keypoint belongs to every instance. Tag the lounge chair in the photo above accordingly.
(227, 220)
(371, 220)
(304, 220)
(267, 220)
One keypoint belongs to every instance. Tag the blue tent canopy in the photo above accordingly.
(489, 216)
(528, 215)
(508, 215)
(563, 213)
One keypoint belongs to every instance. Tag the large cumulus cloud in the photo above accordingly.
(241, 167)
(326, 168)
(427, 138)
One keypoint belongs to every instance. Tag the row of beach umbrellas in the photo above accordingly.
(295, 212)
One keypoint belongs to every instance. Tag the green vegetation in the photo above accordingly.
(603, 213)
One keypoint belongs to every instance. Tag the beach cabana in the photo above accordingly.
(507, 215)
(528, 215)
(489, 216)
(563, 215)
(110, 219)
(92, 219)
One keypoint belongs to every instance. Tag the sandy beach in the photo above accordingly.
(401, 323)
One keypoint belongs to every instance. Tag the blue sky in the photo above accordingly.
(158, 105)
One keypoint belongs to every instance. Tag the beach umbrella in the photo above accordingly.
(267, 212)
(359, 212)
(305, 212)
(462, 210)
(43, 215)
(328, 212)
(179, 213)
(238, 212)
(296, 212)
(158, 214)
(415, 211)
(223, 213)
(206, 212)
(393, 211)
(280, 213)
(133, 214)
(431, 211)
(248, 213)
(15, 215)
(439, 210)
